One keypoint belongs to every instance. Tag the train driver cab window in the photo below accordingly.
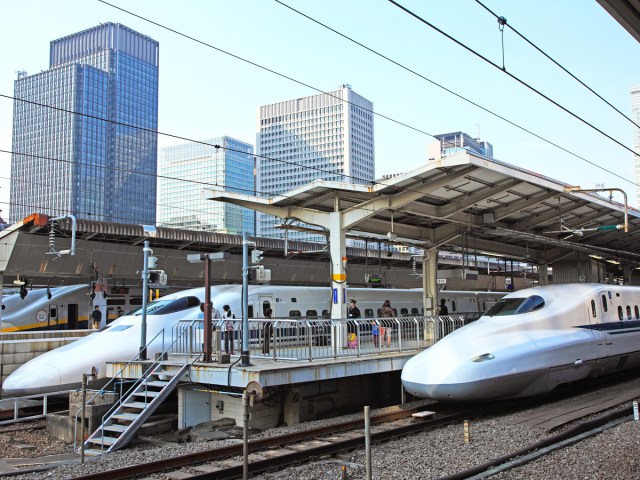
(295, 313)
(628, 312)
(516, 306)
(368, 312)
(593, 309)
(620, 315)
(637, 312)
(164, 307)
(604, 303)
(453, 306)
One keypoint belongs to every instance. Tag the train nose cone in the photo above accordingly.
(424, 378)
(35, 378)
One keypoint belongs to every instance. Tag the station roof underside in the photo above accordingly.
(475, 204)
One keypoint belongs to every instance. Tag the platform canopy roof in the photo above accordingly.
(471, 203)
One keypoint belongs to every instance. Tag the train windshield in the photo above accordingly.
(516, 306)
(164, 307)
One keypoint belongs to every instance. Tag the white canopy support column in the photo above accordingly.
(430, 272)
(543, 274)
(338, 251)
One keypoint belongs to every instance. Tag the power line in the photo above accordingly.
(555, 62)
(404, 67)
(517, 79)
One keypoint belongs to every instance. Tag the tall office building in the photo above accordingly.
(94, 154)
(635, 116)
(187, 168)
(450, 143)
(327, 136)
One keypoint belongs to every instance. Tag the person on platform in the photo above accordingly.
(443, 310)
(385, 325)
(352, 328)
(96, 316)
(228, 329)
(119, 311)
(267, 331)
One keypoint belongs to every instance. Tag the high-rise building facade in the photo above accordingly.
(635, 116)
(186, 169)
(327, 136)
(84, 139)
(449, 143)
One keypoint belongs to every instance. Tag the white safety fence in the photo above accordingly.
(311, 339)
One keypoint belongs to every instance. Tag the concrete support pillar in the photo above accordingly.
(543, 275)
(292, 407)
(430, 272)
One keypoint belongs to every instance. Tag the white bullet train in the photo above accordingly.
(63, 367)
(530, 342)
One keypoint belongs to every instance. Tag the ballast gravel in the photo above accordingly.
(612, 454)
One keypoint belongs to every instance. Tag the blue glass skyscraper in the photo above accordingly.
(94, 155)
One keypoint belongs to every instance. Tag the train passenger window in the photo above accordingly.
(325, 314)
(604, 303)
(312, 313)
(251, 311)
(368, 312)
(637, 312)
(516, 306)
(295, 313)
(593, 308)
(294, 300)
(115, 301)
(453, 305)
(395, 312)
(620, 315)
(628, 312)
(415, 311)
(53, 312)
(379, 311)
(404, 312)
(135, 301)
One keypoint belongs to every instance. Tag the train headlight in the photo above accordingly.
(483, 358)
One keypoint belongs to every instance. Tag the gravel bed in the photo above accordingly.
(612, 454)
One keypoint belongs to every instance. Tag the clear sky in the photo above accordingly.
(205, 93)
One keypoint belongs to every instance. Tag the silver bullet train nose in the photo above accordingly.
(33, 378)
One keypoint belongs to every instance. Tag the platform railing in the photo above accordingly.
(37, 401)
(309, 339)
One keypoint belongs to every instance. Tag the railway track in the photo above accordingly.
(276, 452)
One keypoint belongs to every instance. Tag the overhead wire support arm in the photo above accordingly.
(571, 188)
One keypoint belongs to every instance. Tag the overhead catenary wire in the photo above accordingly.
(514, 77)
(277, 159)
(513, 29)
(373, 113)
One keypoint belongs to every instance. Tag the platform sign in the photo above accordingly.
(441, 281)
(507, 281)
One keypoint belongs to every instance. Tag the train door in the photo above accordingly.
(72, 316)
(600, 315)
(53, 317)
(264, 302)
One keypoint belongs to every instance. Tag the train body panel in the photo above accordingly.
(535, 340)
(120, 341)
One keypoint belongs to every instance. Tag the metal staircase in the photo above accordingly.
(121, 423)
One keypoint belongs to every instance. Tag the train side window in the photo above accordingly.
(295, 313)
(379, 311)
(453, 305)
(620, 314)
(312, 314)
(395, 312)
(593, 308)
(604, 303)
(294, 300)
(637, 312)
(325, 314)
(135, 301)
(251, 311)
(53, 312)
(265, 304)
(115, 301)
(628, 312)
(368, 312)
(484, 306)
(415, 311)
(404, 312)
